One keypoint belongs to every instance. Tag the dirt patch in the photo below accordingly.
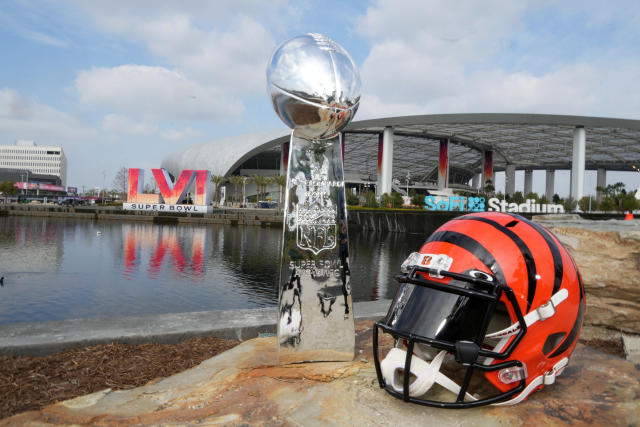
(30, 383)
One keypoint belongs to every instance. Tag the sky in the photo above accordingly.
(122, 83)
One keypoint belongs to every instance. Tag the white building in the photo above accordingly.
(37, 159)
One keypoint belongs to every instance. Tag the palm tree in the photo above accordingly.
(237, 181)
(261, 183)
(281, 181)
(217, 180)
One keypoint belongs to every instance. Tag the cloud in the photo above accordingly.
(26, 118)
(117, 123)
(210, 58)
(120, 124)
(430, 57)
(42, 38)
(223, 45)
(154, 93)
(176, 135)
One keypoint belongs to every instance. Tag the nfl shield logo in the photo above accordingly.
(316, 228)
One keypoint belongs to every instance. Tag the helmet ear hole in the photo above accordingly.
(552, 342)
(480, 275)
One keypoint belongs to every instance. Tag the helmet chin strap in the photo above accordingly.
(426, 373)
(547, 378)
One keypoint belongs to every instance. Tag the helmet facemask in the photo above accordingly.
(438, 323)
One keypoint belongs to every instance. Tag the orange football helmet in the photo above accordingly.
(489, 310)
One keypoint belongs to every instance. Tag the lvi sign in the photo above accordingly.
(171, 194)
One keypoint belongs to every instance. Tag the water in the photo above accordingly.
(56, 269)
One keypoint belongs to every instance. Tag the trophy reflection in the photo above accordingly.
(314, 86)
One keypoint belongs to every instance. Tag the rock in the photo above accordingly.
(632, 348)
(608, 256)
(243, 386)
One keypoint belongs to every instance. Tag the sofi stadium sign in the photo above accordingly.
(172, 195)
(479, 204)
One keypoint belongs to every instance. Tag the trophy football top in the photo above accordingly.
(314, 86)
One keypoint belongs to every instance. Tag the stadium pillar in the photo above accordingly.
(443, 165)
(510, 180)
(385, 161)
(487, 169)
(550, 184)
(601, 181)
(577, 163)
(475, 181)
(528, 182)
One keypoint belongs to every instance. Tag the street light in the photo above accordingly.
(408, 177)
(244, 199)
(104, 178)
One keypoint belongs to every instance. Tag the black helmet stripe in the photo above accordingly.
(471, 245)
(575, 330)
(553, 247)
(524, 250)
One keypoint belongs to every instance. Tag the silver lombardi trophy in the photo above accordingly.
(315, 89)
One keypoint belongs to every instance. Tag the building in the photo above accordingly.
(443, 151)
(26, 161)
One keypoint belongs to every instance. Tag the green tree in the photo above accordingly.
(216, 180)
(533, 196)
(488, 187)
(385, 200)
(607, 204)
(281, 182)
(261, 182)
(236, 181)
(584, 203)
(629, 202)
(618, 196)
(370, 199)
(517, 197)
(556, 199)
(352, 199)
(569, 204)
(7, 188)
(417, 200)
(396, 200)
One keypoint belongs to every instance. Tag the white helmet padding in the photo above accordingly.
(426, 373)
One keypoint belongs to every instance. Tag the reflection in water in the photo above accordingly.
(185, 247)
(58, 269)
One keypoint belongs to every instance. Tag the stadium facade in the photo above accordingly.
(440, 152)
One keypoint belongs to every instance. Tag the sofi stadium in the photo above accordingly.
(440, 152)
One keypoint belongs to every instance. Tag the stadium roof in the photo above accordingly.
(528, 141)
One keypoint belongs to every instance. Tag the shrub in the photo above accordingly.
(385, 200)
(396, 200)
(352, 199)
(417, 200)
(370, 200)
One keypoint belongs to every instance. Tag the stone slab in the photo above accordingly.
(243, 386)
(631, 347)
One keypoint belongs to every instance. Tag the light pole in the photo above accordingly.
(244, 199)
(408, 177)
(104, 178)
